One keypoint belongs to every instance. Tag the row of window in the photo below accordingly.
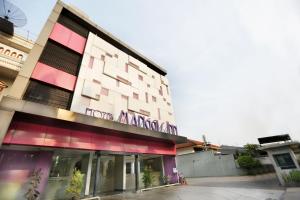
(9, 53)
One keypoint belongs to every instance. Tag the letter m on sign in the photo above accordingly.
(123, 118)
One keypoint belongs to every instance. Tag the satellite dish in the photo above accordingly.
(10, 16)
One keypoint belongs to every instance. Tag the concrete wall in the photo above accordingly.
(205, 164)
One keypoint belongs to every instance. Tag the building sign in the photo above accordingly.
(99, 114)
(135, 120)
(147, 123)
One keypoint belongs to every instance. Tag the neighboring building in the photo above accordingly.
(192, 146)
(227, 150)
(85, 100)
(13, 53)
(199, 159)
(283, 153)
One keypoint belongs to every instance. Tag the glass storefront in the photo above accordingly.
(61, 171)
(116, 171)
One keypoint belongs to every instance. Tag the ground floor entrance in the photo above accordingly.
(103, 172)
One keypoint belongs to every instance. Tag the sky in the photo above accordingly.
(233, 66)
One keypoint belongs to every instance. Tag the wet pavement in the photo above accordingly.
(225, 188)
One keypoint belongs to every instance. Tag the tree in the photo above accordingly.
(251, 149)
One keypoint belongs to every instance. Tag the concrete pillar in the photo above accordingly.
(132, 168)
(88, 174)
(97, 175)
(5, 119)
(120, 173)
(137, 172)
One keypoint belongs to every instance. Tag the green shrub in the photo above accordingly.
(292, 177)
(75, 186)
(147, 177)
(248, 162)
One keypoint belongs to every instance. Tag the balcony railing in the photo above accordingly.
(10, 62)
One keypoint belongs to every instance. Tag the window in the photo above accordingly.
(20, 56)
(167, 89)
(141, 77)
(135, 96)
(128, 168)
(148, 85)
(146, 95)
(168, 104)
(91, 62)
(284, 161)
(160, 91)
(13, 54)
(158, 111)
(104, 91)
(7, 52)
(117, 83)
(124, 97)
(153, 98)
(126, 67)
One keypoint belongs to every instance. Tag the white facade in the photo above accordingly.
(111, 81)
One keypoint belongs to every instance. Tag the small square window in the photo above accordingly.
(124, 97)
(135, 96)
(148, 85)
(146, 95)
(153, 98)
(104, 91)
(91, 62)
(141, 77)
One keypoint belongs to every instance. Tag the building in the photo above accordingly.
(193, 146)
(199, 159)
(283, 153)
(13, 52)
(85, 100)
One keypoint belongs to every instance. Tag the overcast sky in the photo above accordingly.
(233, 66)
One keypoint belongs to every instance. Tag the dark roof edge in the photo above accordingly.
(116, 42)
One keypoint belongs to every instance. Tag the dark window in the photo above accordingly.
(45, 94)
(60, 58)
(128, 168)
(73, 25)
(284, 161)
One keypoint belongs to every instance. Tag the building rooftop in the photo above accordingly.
(79, 16)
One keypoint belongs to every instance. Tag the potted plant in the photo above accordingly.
(35, 179)
(75, 186)
(166, 179)
(147, 177)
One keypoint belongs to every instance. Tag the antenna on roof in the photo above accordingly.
(10, 16)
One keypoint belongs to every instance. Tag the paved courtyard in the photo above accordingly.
(226, 188)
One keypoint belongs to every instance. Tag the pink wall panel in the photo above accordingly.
(43, 135)
(45, 73)
(68, 38)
